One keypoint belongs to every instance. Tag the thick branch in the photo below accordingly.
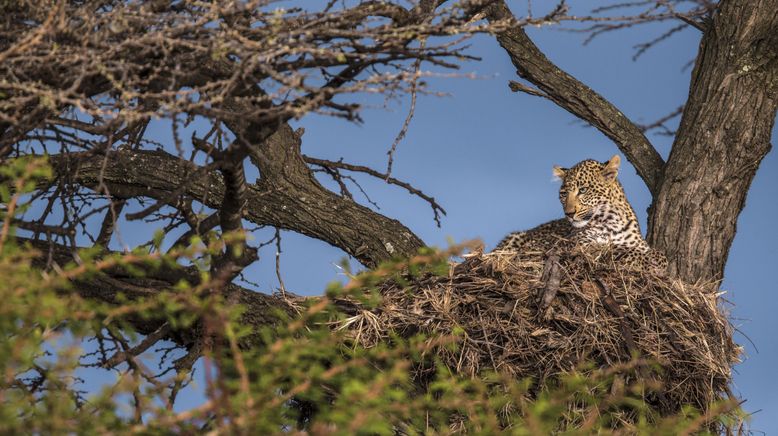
(261, 309)
(577, 98)
(296, 203)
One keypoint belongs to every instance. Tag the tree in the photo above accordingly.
(81, 82)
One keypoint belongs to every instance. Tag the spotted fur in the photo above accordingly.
(597, 214)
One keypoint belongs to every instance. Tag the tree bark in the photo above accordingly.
(724, 135)
(290, 200)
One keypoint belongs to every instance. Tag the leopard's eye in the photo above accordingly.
(582, 190)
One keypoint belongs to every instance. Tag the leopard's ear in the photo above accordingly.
(611, 168)
(559, 172)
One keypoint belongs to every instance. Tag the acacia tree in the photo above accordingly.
(82, 81)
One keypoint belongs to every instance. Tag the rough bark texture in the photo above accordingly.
(292, 200)
(724, 134)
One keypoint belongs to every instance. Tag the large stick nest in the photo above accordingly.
(539, 315)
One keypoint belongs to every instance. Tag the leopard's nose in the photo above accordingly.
(570, 214)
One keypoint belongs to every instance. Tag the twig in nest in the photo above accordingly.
(612, 305)
(551, 278)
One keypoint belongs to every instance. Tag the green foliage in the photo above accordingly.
(299, 374)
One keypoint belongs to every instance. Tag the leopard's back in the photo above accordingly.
(541, 238)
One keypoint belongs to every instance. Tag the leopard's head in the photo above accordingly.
(587, 188)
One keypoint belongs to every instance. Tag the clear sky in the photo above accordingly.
(486, 154)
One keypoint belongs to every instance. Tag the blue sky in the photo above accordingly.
(486, 154)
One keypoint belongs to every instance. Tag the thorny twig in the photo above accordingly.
(437, 209)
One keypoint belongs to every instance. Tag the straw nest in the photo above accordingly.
(538, 315)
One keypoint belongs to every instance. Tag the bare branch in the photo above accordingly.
(437, 209)
(404, 130)
(520, 87)
(692, 22)
(692, 12)
(109, 222)
(644, 47)
(660, 123)
(135, 351)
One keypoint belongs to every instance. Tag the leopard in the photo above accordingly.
(597, 215)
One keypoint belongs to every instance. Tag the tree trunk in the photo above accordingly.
(724, 135)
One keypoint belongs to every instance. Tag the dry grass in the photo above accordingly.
(536, 315)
